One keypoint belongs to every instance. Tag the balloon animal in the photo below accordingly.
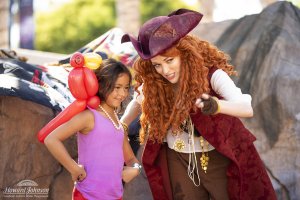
(83, 85)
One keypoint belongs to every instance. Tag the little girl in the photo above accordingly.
(102, 145)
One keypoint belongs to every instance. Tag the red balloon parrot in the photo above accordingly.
(83, 85)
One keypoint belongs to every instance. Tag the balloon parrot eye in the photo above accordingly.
(78, 60)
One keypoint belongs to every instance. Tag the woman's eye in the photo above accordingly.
(156, 66)
(169, 60)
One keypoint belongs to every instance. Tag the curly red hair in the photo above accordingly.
(162, 107)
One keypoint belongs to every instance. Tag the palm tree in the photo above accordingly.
(4, 32)
(128, 15)
(265, 3)
(207, 9)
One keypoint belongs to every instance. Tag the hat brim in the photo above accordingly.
(136, 44)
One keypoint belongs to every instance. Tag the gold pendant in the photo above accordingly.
(179, 145)
(204, 157)
(204, 162)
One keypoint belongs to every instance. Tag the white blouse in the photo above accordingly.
(223, 85)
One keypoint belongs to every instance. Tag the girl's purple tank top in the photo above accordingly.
(101, 153)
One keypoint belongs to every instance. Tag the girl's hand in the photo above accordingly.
(208, 105)
(129, 173)
(78, 174)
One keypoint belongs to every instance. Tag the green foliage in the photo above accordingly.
(78, 22)
(73, 25)
(296, 3)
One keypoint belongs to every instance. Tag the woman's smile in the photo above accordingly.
(168, 67)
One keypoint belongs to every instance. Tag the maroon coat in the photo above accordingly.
(247, 177)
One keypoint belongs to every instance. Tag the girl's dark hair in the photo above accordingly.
(107, 75)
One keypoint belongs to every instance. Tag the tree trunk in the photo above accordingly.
(207, 9)
(4, 27)
(128, 15)
(265, 3)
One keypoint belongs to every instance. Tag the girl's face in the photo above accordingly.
(120, 91)
(168, 67)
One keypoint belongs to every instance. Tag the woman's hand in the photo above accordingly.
(129, 173)
(208, 105)
(200, 101)
(78, 174)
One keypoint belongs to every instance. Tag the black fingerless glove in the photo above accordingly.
(211, 106)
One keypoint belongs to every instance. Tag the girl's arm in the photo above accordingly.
(129, 171)
(129, 156)
(82, 122)
(132, 111)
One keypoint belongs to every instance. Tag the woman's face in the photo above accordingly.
(168, 67)
(120, 91)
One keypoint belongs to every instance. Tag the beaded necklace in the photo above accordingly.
(109, 117)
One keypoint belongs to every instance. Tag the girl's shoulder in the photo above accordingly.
(86, 117)
(86, 114)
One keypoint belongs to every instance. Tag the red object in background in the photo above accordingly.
(77, 195)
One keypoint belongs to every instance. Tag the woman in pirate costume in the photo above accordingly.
(195, 145)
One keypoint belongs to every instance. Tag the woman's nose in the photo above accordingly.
(165, 69)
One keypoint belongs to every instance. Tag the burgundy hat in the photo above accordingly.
(160, 33)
